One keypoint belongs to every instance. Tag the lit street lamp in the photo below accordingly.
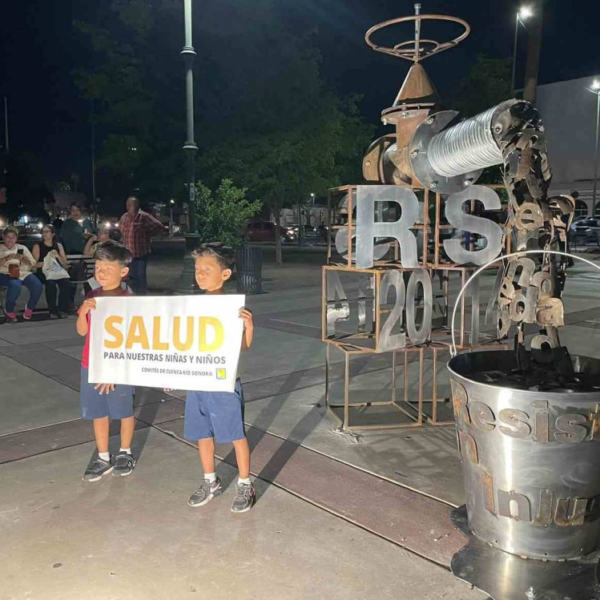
(171, 226)
(595, 89)
(524, 13)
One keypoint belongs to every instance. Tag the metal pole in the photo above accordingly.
(417, 33)
(514, 61)
(6, 124)
(190, 147)
(596, 154)
(534, 47)
(93, 158)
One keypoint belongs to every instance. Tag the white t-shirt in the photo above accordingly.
(24, 269)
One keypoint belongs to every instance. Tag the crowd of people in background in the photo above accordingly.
(47, 267)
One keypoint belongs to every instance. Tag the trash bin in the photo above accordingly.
(248, 262)
(530, 459)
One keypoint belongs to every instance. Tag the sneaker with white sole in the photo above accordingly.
(205, 493)
(245, 496)
(124, 464)
(97, 470)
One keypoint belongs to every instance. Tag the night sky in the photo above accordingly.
(38, 51)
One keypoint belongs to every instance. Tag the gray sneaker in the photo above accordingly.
(97, 470)
(124, 464)
(206, 492)
(245, 496)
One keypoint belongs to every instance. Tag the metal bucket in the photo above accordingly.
(530, 459)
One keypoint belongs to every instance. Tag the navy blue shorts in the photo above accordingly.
(218, 415)
(116, 405)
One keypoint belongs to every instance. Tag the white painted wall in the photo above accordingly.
(568, 111)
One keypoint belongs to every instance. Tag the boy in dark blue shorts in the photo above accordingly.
(219, 415)
(106, 401)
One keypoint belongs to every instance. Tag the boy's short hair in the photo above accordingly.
(111, 251)
(222, 254)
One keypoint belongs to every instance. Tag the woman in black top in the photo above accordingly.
(58, 291)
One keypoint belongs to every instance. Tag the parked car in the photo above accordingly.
(264, 231)
(590, 227)
(308, 231)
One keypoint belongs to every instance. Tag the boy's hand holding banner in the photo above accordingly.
(177, 342)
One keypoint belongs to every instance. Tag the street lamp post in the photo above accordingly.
(524, 13)
(187, 282)
(190, 147)
(595, 89)
(171, 224)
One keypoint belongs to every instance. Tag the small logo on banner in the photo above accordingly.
(221, 373)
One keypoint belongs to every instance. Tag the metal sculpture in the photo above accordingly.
(527, 420)
(432, 150)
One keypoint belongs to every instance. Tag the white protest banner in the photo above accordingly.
(177, 342)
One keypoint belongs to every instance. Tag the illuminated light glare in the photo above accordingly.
(525, 12)
(107, 224)
(39, 225)
(596, 84)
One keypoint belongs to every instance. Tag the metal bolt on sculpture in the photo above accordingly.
(527, 419)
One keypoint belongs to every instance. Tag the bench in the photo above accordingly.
(87, 271)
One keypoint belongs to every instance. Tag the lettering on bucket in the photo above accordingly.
(544, 423)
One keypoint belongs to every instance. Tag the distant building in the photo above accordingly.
(568, 111)
(65, 199)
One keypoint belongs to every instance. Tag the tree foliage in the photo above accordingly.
(131, 84)
(223, 215)
(487, 84)
(26, 188)
(264, 116)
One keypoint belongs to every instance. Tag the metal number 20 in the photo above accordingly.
(406, 298)
(388, 340)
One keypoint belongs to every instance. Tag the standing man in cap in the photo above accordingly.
(137, 228)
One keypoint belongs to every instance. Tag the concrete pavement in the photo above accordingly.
(338, 516)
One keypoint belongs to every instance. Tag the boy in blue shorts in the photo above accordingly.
(219, 415)
(106, 401)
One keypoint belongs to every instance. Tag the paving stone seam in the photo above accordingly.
(140, 419)
(39, 427)
(327, 503)
(356, 467)
(316, 504)
(52, 377)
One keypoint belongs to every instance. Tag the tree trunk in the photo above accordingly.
(278, 250)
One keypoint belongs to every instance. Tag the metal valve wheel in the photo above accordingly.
(418, 49)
